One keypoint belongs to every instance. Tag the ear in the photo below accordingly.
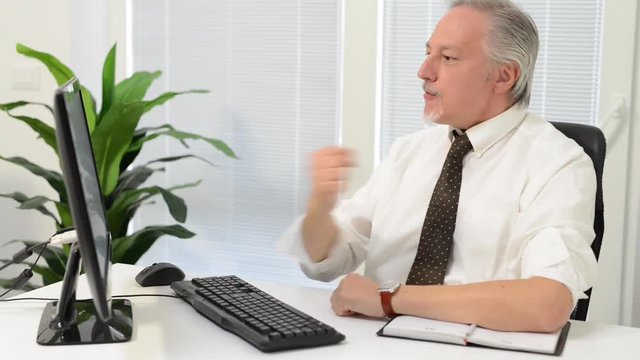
(506, 77)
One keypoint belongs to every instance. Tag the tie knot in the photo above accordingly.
(460, 147)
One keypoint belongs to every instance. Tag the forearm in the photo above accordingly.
(319, 234)
(536, 304)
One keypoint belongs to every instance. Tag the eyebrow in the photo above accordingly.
(445, 47)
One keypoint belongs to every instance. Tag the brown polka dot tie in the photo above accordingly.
(436, 239)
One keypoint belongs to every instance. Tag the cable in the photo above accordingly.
(23, 254)
(147, 295)
(26, 274)
(62, 236)
(30, 298)
(114, 296)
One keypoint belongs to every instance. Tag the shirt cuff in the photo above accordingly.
(326, 270)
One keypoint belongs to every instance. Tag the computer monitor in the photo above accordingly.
(100, 319)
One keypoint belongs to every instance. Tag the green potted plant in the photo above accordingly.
(117, 140)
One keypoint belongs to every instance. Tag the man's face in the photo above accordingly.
(457, 73)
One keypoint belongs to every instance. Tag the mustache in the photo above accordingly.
(429, 90)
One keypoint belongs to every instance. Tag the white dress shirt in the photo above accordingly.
(526, 208)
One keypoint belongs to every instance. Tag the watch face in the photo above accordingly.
(389, 285)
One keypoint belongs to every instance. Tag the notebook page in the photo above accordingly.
(526, 341)
(427, 329)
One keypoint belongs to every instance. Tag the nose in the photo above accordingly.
(427, 72)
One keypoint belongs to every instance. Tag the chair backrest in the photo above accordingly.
(594, 144)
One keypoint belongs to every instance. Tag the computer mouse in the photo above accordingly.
(159, 274)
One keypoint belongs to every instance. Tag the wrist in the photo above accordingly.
(320, 204)
(319, 234)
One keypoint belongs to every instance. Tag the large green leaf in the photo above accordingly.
(108, 81)
(124, 218)
(136, 144)
(89, 107)
(119, 210)
(62, 74)
(7, 283)
(140, 134)
(111, 139)
(65, 215)
(48, 275)
(132, 153)
(46, 132)
(168, 130)
(132, 179)
(59, 70)
(129, 249)
(128, 158)
(179, 157)
(32, 203)
(53, 178)
(163, 98)
(16, 104)
(134, 88)
(146, 134)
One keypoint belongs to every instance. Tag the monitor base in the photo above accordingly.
(87, 327)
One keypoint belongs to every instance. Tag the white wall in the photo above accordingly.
(631, 282)
(98, 24)
(42, 25)
(359, 82)
(616, 85)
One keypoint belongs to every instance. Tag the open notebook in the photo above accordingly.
(411, 327)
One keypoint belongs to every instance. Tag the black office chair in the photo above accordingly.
(594, 144)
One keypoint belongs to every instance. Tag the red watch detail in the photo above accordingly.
(385, 298)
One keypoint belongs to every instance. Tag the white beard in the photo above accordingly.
(432, 117)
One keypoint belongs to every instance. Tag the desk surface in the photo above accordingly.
(167, 328)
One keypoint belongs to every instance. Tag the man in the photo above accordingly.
(511, 251)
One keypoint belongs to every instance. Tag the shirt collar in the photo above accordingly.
(485, 134)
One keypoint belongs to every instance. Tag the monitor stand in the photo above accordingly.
(71, 322)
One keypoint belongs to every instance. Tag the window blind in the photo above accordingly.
(273, 68)
(566, 77)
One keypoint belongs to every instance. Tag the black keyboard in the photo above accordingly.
(257, 317)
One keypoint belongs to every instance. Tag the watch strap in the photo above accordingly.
(385, 298)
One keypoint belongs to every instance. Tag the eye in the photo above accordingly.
(448, 58)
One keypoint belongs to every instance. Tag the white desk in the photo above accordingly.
(166, 328)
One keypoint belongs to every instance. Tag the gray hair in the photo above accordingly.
(513, 37)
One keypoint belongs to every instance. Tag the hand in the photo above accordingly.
(356, 295)
(328, 172)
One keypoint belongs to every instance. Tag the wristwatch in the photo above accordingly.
(386, 290)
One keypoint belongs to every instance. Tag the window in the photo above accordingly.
(565, 85)
(274, 71)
